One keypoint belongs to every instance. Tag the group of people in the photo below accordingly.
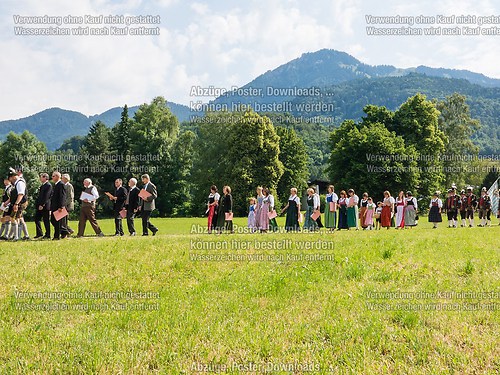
(465, 203)
(55, 201)
(348, 211)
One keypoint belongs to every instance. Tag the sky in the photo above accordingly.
(217, 43)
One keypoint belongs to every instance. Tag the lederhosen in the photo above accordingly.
(22, 203)
(485, 207)
(5, 198)
(452, 207)
(471, 206)
(463, 207)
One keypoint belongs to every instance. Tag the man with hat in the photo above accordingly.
(452, 204)
(484, 207)
(17, 202)
(470, 206)
(23, 228)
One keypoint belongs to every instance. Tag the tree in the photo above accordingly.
(26, 151)
(458, 127)
(210, 164)
(121, 145)
(371, 158)
(153, 134)
(175, 178)
(239, 149)
(253, 152)
(416, 121)
(293, 156)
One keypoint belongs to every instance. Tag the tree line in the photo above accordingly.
(386, 150)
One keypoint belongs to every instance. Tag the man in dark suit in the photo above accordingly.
(147, 205)
(118, 203)
(70, 201)
(57, 203)
(42, 205)
(132, 204)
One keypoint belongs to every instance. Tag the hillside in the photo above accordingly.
(54, 125)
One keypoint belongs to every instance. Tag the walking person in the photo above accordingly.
(292, 209)
(87, 209)
(362, 209)
(224, 214)
(269, 201)
(435, 209)
(70, 201)
(132, 205)
(57, 203)
(343, 200)
(331, 208)
(6, 220)
(411, 210)
(42, 206)
(118, 199)
(212, 206)
(147, 204)
(387, 210)
(309, 223)
(400, 210)
(352, 210)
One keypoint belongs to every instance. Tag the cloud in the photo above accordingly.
(219, 43)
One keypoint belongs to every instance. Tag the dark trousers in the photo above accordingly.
(87, 213)
(45, 216)
(146, 224)
(57, 226)
(118, 225)
(130, 221)
(452, 214)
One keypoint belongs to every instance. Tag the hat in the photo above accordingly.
(484, 188)
(450, 190)
(453, 186)
(436, 193)
(469, 188)
(462, 191)
(408, 193)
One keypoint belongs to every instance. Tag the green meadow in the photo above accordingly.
(419, 301)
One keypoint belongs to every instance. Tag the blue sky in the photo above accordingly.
(217, 43)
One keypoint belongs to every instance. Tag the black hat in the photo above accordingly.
(12, 172)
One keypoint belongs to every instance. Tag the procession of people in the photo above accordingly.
(55, 201)
(349, 212)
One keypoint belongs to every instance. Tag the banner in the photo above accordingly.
(493, 193)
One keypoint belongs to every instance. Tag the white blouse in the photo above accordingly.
(439, 202)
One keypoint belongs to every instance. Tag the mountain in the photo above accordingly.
(54, 125)
(343, 86)
(325, 68)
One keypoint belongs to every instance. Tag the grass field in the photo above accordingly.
(377, 302)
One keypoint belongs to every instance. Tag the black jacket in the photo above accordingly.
(121, 195)
(44, 196)
(133, 199)
(58, 199)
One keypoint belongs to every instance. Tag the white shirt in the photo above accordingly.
(408, 199)
(269, 199)
(215, 196)
(354, 199)
(389, 201)
(439, 202)
(93, 191)
(316, 201)
(294, 198)
(20, 186)
(334, 196)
